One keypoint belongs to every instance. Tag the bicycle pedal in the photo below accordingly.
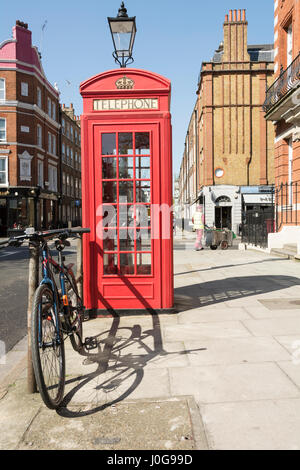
(90, 343)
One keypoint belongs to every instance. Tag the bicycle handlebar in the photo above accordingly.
(38, 236)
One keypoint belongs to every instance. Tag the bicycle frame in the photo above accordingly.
(48, 279)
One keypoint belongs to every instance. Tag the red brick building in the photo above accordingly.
(282, 108)
(228, 162)
(29, 137)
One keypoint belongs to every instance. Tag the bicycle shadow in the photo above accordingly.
(122, 355)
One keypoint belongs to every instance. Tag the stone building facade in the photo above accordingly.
(29, 137)
(70, 167)
(282, 108)
(234, 142)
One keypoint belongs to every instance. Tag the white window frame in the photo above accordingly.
(2, 89)
(3, 139)
(3, 185)
(24, 88)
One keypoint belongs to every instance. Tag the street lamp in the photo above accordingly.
(123, 31)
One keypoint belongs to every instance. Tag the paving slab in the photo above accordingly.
(199, 331)
(121, 382)
(274, 326)
(290, 342)
(218, 314)
(253, 425)
(292, 368)
(262, 312)
(235, 351)
(227, 383)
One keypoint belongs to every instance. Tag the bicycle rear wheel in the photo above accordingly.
(76, 316)
(48, 352)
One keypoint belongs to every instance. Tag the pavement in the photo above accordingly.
(222, 373)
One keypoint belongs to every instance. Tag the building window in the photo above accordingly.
(2, 89)
(63, 151)
(49, 142)
(3, 171)
(2, 130)
(71, 155)
(53, 111)
(39, 135)
(68, 184)
(52, 177)
(63, 126)
(71, 130)
(289, 32)
(39, 97)
(24, 89)
(64, 183)
(25, 166)
(41, 173)
(53, 145)
(49, 107)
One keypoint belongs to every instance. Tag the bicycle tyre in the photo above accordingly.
(48, 362)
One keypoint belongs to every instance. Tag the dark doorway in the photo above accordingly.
(223, 217)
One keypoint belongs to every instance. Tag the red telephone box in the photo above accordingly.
(127, 191)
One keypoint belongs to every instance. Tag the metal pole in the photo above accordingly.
(32, 286)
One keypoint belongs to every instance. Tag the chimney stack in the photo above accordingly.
(235, 37)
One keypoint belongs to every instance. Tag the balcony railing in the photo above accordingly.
(287, 204)
(288, 80)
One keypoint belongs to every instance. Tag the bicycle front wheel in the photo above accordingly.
(48, 352)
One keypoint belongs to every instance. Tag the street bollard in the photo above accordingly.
(32, 286)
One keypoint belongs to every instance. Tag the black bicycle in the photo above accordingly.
(57, 314)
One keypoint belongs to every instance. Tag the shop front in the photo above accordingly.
(26, 207)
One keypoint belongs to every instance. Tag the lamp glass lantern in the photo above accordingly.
(123, 31)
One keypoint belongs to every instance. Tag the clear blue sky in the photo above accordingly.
(173, 38)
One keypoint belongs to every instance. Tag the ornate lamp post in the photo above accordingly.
(123, 31)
